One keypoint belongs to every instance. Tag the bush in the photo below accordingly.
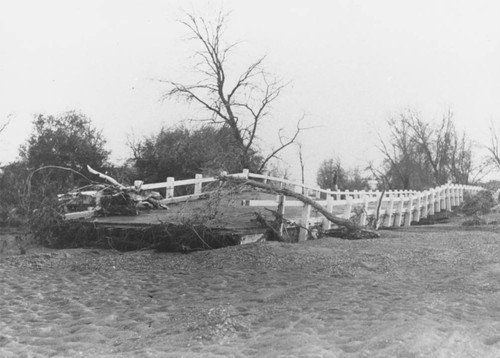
(181, 153)
(12, 193)
(478, 204)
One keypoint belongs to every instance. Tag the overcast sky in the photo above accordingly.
(350, 65)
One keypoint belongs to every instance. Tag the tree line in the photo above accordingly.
(418, 154)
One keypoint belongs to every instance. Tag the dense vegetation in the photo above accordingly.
(51, 161)
(181, 153)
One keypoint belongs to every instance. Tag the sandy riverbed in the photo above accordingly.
(422, 293)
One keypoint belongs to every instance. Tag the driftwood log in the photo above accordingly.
(352, 229)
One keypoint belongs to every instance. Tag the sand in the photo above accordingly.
(421, 293)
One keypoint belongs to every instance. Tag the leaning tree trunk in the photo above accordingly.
(349, 225)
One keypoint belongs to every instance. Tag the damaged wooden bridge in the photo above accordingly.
(234, 213)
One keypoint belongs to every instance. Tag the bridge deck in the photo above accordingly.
(229, 214)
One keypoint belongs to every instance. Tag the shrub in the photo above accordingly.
(480, 203)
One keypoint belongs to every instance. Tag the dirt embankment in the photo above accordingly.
(426, 292)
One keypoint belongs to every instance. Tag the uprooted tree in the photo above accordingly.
(238, 102)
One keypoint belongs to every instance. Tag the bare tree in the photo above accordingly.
(436, 143)
(422, 154)
(494, 148)
(239, 102)
(461, 162)
(402, 159)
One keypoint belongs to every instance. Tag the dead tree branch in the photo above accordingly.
(4, 125)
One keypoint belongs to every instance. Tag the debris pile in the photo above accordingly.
(112, 199)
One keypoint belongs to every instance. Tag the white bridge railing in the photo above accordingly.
(397, 208)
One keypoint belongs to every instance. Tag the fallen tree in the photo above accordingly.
(351, 230)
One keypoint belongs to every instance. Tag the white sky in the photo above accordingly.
(350, 63)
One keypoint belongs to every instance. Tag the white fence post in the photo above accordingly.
(388, 212)
(329, 207)
(304, 222)
(432, 199)
(281, 212)
(425, 207)
(317, 193)
(448, 197)
(245, 173)
(418, 208)
(437, 207)
(362, 219)
(170, 187)
(399, 212)
(443, 198)
(197, 184)
(409, 211)
(348, 208)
